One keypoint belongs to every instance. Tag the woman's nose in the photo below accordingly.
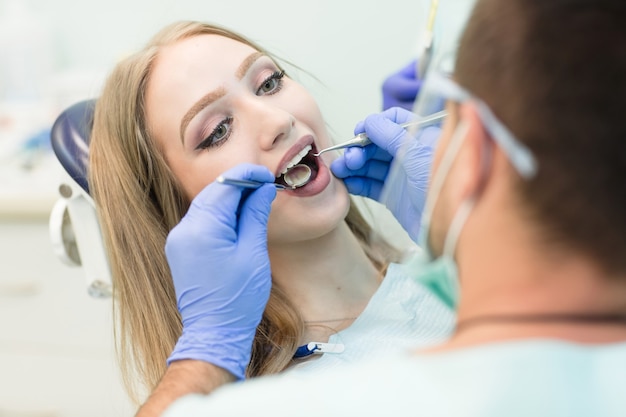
(273, 125)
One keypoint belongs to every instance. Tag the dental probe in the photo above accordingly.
(247, 183)
(362, 140)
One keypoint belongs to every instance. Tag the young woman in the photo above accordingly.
(195, 102)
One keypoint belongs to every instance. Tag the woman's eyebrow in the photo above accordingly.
(197, 108)
(247, 63)
(210, 97)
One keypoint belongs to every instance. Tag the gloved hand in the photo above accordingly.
(401, 88)
(221, 270)
(365, 170)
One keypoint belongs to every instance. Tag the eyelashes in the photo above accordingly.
(272, 84)
(218, 136)
(220, 133)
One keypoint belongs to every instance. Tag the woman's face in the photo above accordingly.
(213, 102)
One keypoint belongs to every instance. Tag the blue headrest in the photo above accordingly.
(70, 136)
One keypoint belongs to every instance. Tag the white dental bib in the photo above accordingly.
(402, 315)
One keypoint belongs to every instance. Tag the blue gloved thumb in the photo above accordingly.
(255, 212)
(386, 134)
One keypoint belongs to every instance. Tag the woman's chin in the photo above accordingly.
(291, 225)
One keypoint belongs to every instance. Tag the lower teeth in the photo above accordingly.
(297, 176)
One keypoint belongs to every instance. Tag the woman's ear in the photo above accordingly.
(474, 158)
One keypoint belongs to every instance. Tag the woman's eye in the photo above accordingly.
(272, 84)
(218, 136)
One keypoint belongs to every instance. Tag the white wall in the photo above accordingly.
(350, 45)
(55, 343)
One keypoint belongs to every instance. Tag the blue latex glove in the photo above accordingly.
(365, 170)
(401, 88)
(221, 270)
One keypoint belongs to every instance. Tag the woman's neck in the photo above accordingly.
(327, 278)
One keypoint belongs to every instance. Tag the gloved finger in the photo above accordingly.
(365, 187)
(339, 169)
(373, 169)
(211, 215)
(388, 135)
(355, 159)
(429, 136)
(224, 199)
(395, 114)
(399, 115)
(401, 88)
(253, 238)
(397, 83)
(360, 127)
(410, 70)
(255, 213)
(250, 172)
(352, 159)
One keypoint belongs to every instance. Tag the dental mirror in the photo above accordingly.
(298, 176)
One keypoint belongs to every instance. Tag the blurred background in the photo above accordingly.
(56, 345)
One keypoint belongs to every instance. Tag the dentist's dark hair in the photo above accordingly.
(554, 71)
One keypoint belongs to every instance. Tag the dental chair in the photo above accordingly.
(74, 228)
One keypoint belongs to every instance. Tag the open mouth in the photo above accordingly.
(301, 170)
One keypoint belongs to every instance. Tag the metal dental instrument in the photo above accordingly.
(427, 52)
(362, 140)
(247, 183)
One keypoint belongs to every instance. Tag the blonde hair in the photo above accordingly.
(139, 201)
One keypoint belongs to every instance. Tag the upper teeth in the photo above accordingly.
(296, 159)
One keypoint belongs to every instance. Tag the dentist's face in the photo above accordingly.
(213, 103)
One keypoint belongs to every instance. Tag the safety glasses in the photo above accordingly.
(440, 87)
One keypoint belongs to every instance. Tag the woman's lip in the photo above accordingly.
(302, 143)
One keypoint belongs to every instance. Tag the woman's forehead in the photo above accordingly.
(202, 61)
(218, 47)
